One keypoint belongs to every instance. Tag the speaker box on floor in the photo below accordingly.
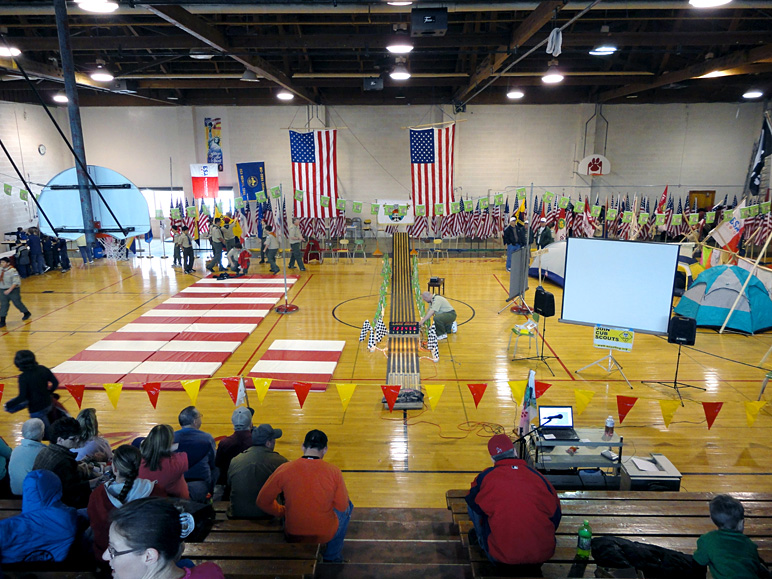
(682, 330)
(544, 303)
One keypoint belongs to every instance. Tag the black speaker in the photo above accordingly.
(682, 330)
(428, 22)
(544, 303)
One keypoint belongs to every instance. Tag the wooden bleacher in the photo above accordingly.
(674, 520)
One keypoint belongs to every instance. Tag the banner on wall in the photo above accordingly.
(205, 180)
(213, 128)
(390, 212)
(251, 179)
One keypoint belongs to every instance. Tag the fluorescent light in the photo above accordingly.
(9, 51)
(285, 95)
(201, 54)
(399, 73)
(552, 76)
(102, 76)
(98, 6)
(714, 74)
(399, 3)
(60, 97)
(753, 94)
(515, 93)
(399, 46)
(172, 98)
(604, 50)
(708, 3)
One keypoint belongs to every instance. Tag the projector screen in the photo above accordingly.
(622, 284)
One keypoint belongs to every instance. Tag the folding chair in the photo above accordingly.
(329, 249)
(439, 249)
(359, 245)
(344, 248)
(526, 329)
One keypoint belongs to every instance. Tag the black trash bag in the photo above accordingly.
(654, 561)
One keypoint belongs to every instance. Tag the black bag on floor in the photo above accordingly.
(654, 561)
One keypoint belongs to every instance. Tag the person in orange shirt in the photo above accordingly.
(316, 505)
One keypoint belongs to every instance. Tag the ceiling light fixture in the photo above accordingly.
(60, 97)
(249, 76)
(552, 76)
(400, 72)
(515, 93)
(714, 74)
(399, 3)
(400, 43)
(285, 95)
(9, 51)
(753, 94)
(708, 3)
(201, 54)
(98, 6)
(604, 50)
(101, 74)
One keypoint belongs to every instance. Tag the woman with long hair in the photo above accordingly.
(161, 464)
(36, 384)
(146, 541)
(92, 445)
(126, 487)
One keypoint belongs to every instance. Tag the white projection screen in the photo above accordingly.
(622, 284)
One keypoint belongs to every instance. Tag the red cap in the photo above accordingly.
(499, 444)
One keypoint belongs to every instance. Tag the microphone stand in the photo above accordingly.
(522, 440)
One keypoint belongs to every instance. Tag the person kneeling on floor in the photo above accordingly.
(443, 312)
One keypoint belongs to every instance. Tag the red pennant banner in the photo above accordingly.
(302, 389)
(390, 393)
(711, 411)
(541, 388)
(76, 391)
(2, 388)
(153, 389)
(477, 391)
(624, 405)
(232, 386)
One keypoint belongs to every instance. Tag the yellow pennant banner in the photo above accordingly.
(668, 408)
(583, 398)
(261, 387)
(433, 393)
(518, 390)
(345, 391)
(113, 393)
(192, 387)
(752, 410)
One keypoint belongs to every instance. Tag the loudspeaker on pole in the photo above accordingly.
(682, 330)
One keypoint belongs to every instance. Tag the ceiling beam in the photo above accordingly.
(39, 70)
(203, 31)
(530, 26)
(736, 59)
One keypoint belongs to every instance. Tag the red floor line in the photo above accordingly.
(272, 328)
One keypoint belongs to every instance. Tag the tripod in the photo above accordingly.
(542, 357)
(518, 306)
(676, 385)
(612, 366)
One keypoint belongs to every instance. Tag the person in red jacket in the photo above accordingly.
(515, 510)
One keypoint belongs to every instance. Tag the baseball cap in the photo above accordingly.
(499, 444)
(241, 418)
(513, 218)
(543, 220)
(264, 433)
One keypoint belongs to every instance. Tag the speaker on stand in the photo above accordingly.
(544, 305)
(682, 331)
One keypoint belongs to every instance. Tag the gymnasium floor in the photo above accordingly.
(410, 459)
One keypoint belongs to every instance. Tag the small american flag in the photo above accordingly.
(249, 220)
(419, 228)
(497, 228)
(315, 171)
(189, 221)
(203, 222)
(672, 230)
(431, 157)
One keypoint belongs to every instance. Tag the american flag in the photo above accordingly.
(624, 228)
(320, 229)
(307, 227)
(685, 227)
(496, 218)
(487, 224)
(588, 221)
(338, 227)
(172, 221)
(315, 171)
(673, 230)
(536, 214)
(284, 221)
(241, 214)
(431, 156)
(419, 227)
(436, 226)
(552, 214)
(189, 221)
(203, 222)
(250, 220)
(505, 217)
(649, 229)
(446, 228)
(268, 215)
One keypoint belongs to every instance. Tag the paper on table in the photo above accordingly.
(549, 437)
(645, 465)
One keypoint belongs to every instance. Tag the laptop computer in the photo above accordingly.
(557, 421)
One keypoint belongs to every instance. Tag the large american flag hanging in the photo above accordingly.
(315, 171)
(431, 155)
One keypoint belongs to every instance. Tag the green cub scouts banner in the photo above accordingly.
(643, 218)
(159, 213)
(324, 201)
(439, 209)
(7, 188)
(659, 218)
(611, 214)
(402, 210)
(710, 217)
(298, 195)
(238, 203)
(484, 204)
(595, 211)
(627, 217)
(455, 207)
(694, 219)
(340, 204)
(520, 193)
(23, 194)
(190, 210)
(563, 202)
(420, 210)
(728, 215)
(765, 206)
(356, 207)
(678, 218)
(548, 196)
(260, 196)
(579, 207)
(276, 192)
(468, 205)
(498, 199)
(175, 213)
(374, 208)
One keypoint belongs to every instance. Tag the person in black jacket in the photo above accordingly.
(36, 384)
(514, 238)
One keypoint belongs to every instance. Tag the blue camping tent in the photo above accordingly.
(713, 292)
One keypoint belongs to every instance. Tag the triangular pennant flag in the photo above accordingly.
(345, 391)
(301, 390)
(668, 408)
(113, 393)
(232, 386)
(624, 405)
(752, 410)
(390, 393)
(583, 398)
(477, 391)
(153, 389)
(75, 390)
(711, 410)
(433, 393)
(261, 387)
(2, 388)
(192, 387)
(518, 389)
(241, 397)
(541, 388)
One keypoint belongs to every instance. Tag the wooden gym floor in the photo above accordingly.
(410, 459)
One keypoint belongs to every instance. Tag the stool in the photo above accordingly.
(439, 283)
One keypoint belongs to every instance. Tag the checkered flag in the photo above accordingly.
(432, 343)
(366, 327)
(371, 342)
(380, 330)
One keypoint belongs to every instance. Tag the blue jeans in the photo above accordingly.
(38, 263)
(85, 253)
(43, 415)
(510, 250)
(478, 528)
(332, 553)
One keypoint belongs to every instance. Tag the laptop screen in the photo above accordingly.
(566, 421)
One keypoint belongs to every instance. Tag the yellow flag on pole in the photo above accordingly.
(433, 393)
(192, 387)
(261, 387)
(113, 393)
(583, 398)
(518, 389)
(752, 410)
(668, 408)
(345, 391)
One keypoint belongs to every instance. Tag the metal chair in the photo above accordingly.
(527, 329)
(426, 246)
(329, 249)
(344, 248)
(359, 245)
(439, 249)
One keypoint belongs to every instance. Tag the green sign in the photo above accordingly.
(23, 194)
(298, 195)
(439, 209)
(356, 206)
(455, 207)
(175, 213)
(627, 217)
(643, 218)
(753, 209)
(745, 212)
(728, 215)
(483, 204)
(765, 206)
(190, 210)
(468, 205)
(402, 210)
(420, 210)
(595, 211)
(579, 207)
(159, 213)
(324, 201)
(694, 218)
(498, 199)
(710, 217)
(276, 192)
(7, 188)
(563, 202)
(340, 204)
(520, 193)
(677, 219)
(548, 196)
(238, 203)
(611, 214)
(659, 218)
(374, 208)
(260, 196)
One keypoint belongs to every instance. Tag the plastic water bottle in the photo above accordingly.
(583, 541)
(609, 431)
